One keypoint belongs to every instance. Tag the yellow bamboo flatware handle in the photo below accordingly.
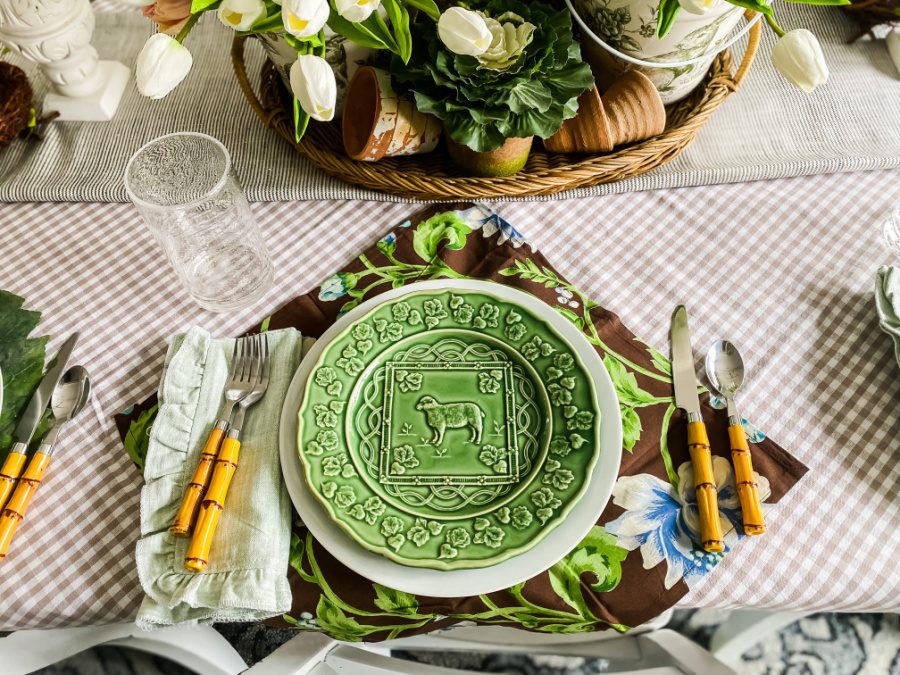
(705, 486)
(186, 517)
(9, 474)
(18, 503)
(748, 491)
(197, 557)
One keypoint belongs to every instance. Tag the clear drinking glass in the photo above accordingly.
(185, 188)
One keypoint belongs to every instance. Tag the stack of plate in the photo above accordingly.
(461, 428)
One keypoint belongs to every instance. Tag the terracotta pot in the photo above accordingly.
(630, 110)
(378, 123)
(506, 160)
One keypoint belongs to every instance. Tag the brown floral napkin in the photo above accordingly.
(640, 558)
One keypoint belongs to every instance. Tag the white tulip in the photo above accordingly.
(304, 18)
(464, 32)
(798, 56)
(161, 66)
(356, 10)
(698, 6)
(241, 14)
(893, 46)
(314, 86)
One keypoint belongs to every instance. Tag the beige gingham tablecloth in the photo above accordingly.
(784, 268)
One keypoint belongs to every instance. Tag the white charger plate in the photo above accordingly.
(439, 583)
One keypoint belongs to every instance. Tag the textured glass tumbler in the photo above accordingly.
(185, 188)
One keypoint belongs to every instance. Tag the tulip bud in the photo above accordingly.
(304, 18)
(893, 46)
(464, 31)
(314, 86)
(241, 14)
(798, 57)
(356, 10)
(161, 65)
(698, 6)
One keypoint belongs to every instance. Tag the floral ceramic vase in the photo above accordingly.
(629, 26)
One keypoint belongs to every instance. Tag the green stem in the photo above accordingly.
(594, 338)
(627, 362)
(395, 627)
(517, 594)
(331, 595)
(779, 31)
(655, 401)
(664, 447)
(186, 28)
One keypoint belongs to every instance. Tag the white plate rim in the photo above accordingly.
(463, 582)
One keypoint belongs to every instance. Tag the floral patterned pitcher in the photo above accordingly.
(629, 26)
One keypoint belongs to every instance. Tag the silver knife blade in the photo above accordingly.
(684, 377)
(41, 397)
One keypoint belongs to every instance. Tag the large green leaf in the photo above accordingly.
(631, 427)
(356, 32)
(597, 555)
(753, 4)
(668, 10)
(337, 624)
(391, 600)
(21, 362)
(301, 121)
(529, 94)
(428, 6)
(625, 384)
(400, 23)
(444, 227)
(203, 5)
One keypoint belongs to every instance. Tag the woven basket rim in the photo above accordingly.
(425, 176)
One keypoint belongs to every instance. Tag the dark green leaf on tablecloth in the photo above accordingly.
(21, 363)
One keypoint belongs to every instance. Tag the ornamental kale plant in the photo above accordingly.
(528, 91)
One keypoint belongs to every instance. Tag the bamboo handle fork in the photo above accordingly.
(204, 499)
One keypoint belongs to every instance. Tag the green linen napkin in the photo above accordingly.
(245, 579)
(887, 303)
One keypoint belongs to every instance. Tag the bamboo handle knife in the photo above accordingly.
(705, 487)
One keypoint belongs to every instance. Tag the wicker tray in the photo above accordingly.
(431, 176)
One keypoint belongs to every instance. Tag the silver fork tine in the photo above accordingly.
(234, 362)
(254, 360)
(245, 359)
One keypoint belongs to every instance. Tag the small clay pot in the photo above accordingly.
(506, 160)
(377, 122)
(630, 110)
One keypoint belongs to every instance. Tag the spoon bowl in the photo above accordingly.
(725, 368)
(71, 394)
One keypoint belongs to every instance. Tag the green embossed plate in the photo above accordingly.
(450, 429)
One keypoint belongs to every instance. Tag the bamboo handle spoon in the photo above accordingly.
(725, 370)
(69, 398)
